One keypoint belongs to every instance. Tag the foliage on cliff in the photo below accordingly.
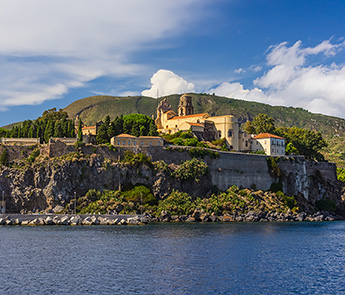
(140, 199)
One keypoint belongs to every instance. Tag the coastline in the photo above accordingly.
(197, 216)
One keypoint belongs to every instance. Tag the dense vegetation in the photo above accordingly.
(133, 124)
(53, 123)
(182, 138)
(140, 199)
(299, 141)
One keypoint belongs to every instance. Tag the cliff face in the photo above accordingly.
(53, 182)
(49, 182)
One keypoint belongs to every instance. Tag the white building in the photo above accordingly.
(272, 145)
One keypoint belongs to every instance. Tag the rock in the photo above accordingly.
(57, 209)
(2, 221)
(9, 222)
(227, 218)
(205, 217)
(164, 216)
(123, 222)
(213, 217)
(65, 220)
(196, 215)
(86, 221)
(95, 220)
(49, 221)
(133, 220)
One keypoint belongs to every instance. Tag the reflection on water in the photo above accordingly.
(233, 258)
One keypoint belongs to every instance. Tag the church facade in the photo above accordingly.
(203, 126)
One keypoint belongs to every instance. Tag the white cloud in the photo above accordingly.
(48, 47)
(290, 81)
(166, 82)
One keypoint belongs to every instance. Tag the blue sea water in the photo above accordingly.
(230, 258)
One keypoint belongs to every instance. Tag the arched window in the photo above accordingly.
(230, 133)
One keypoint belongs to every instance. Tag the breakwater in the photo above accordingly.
(72, 219)
(196, 216)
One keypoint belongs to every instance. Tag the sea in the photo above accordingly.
(176, 258)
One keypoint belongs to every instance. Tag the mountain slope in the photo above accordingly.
(95, 108)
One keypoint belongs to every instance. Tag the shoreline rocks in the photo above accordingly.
(251, 216)
(39, 220)
(196, 216)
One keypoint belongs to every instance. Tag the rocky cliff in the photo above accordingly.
(44, 182)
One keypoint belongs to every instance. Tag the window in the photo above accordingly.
(118, 142)
(134, 143)
(142, 143)
(129, 142)
(124, 142)
(158, 143)
(246, 142)
(229, 133)
(150, 143)
(219, 134)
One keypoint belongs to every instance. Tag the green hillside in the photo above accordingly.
(95, 108)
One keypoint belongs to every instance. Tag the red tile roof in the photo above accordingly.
(189, 116)
(88, 127)
(195, 124)
(267, 135)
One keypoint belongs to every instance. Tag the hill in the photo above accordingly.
(95, 108)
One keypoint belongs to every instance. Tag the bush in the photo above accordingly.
(177, 203)
(191, 169)
(33, 156)
(4, 157)
(136, 159)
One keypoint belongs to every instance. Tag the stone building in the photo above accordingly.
(203, 126)
(271, 144)
(126, 140)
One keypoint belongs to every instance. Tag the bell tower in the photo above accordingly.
(185, 107)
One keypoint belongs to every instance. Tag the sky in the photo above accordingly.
(280, 52)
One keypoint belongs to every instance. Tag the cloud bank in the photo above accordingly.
(49, 47)
(290, 81)
(166, 82)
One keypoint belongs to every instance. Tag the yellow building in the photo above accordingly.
(202, 125)
(126, 140)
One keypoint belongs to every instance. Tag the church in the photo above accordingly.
(203, 126)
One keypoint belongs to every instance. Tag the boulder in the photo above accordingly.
(164, 216)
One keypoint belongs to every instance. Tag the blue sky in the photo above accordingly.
(279, 52)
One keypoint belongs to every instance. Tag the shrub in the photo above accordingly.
(136, 159)
(33, 156)
(191, 169)
(177, 203)
(4, 157)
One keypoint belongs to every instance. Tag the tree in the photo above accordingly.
(263, 124)
(307, 142)
(80, 132)
(249, 128)
(49, 131)
(102, 134)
